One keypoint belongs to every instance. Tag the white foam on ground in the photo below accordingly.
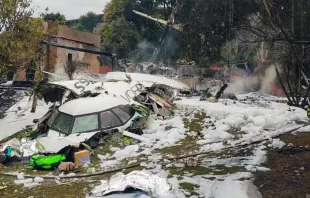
(229, 186)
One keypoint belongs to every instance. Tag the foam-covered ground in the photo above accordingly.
(223, 130)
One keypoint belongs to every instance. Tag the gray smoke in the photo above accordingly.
(270, 77)
(148, 52)
(144, 52)
(258, 82)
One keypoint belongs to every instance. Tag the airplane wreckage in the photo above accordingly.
(89, 112)
(86, 114)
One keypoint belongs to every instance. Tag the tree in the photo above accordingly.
(56, 17)
(150, 31)
(20, 34)
(120, 37)
(115, 10)
(70, 68)
(87, 22)
(285, 27)
(209, 24)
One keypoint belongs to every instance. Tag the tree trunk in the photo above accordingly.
(34, 104)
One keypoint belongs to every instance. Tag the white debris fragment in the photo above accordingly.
(277, 143)
(30, 185)
(260, 168)
(70, 175)
(114, 149)
(103, 157)
(38, 180)
(143, 164)
(23, 181)
(132, 162)
(20, 176)
(179, 165)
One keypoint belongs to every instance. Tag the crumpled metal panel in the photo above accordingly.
(152, 184)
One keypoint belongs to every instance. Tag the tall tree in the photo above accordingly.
(120, 37)
(56, 17)
(88, 22)
(20, 34)
(285, 26)
(115, 9)
(209, 24)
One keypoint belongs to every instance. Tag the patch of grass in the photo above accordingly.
(235, 153)
(188, 186)
(195, 124)
(138, 168)
(198, 170)
(24, 169)
(49, 188)
(183, 147)
(105, 148)
(223, 170)
(236, 132)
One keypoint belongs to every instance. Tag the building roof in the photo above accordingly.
(91, 105)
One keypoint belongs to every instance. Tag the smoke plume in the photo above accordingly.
(260, 81)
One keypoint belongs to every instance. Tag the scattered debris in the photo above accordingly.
(208, 96)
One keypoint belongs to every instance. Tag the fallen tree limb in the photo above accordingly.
(240, 145)
(138, 164)
(73, 176)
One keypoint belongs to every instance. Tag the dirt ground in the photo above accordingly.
(289, 175)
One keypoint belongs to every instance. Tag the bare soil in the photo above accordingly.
(289, 175)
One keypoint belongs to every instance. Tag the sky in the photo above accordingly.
(72, 9)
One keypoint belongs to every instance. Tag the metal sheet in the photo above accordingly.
(152, 184)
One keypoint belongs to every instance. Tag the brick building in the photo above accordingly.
(56, 58)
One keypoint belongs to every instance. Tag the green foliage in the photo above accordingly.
(87, 22)
(56, 17)
(20, 35)
(120, 37)
(207, 28)
(115, 10)
(206, 25)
